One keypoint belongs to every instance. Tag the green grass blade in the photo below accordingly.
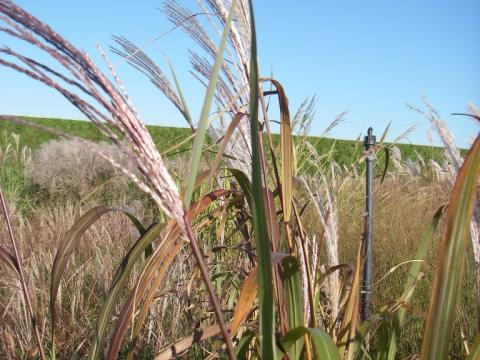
(185, 112)
(324, 347)
(293, 297)
(118, 283)
(207, 103)
(265, 277)
(243, 345)
(448, 276)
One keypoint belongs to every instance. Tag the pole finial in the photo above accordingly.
(370, 139)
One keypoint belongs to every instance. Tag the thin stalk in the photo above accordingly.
(197, 253)
(22, 277)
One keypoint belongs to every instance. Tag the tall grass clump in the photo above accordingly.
(67, 168)
(247, 249)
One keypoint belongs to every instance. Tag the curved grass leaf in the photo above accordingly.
(244, 344)
(324, 347)
(286, 148)
(155, 268)
(244, 183)
(154, 271)
(448, 276)
(118, 283)
(68, 245)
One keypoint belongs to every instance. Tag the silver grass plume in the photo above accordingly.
(104, 103)
(232, 93)
(107, 106)
(451, 167)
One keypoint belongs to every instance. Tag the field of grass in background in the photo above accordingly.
(345, 151)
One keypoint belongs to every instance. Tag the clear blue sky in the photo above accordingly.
(366, 57)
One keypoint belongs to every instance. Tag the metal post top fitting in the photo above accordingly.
(370, 139)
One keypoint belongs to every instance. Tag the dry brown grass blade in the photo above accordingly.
(184, 344)
(157, 266)
(248, 294)
(350, 320)
(286, 147)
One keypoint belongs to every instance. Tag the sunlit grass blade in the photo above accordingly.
(450, 265)
(184, 344)
(287, 157)
(118, 284)
(246, 299)
(265, 276)
(207, 103)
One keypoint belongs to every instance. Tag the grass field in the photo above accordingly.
(403, 206)
(345, 151)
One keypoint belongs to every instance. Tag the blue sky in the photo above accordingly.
(366, 57)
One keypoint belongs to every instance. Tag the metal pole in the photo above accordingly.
(367, 270)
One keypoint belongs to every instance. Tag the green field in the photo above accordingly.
(345, 152)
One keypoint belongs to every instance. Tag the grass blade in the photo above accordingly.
(155, 268)
(448, 276)
(293, 296)
(68, 245)
(265, 276)
(207, 103)
(181, 345)
(118, 284)
(185, 112)
(324, 347)
(248, 294)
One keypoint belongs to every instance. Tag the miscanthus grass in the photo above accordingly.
(273, 284)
